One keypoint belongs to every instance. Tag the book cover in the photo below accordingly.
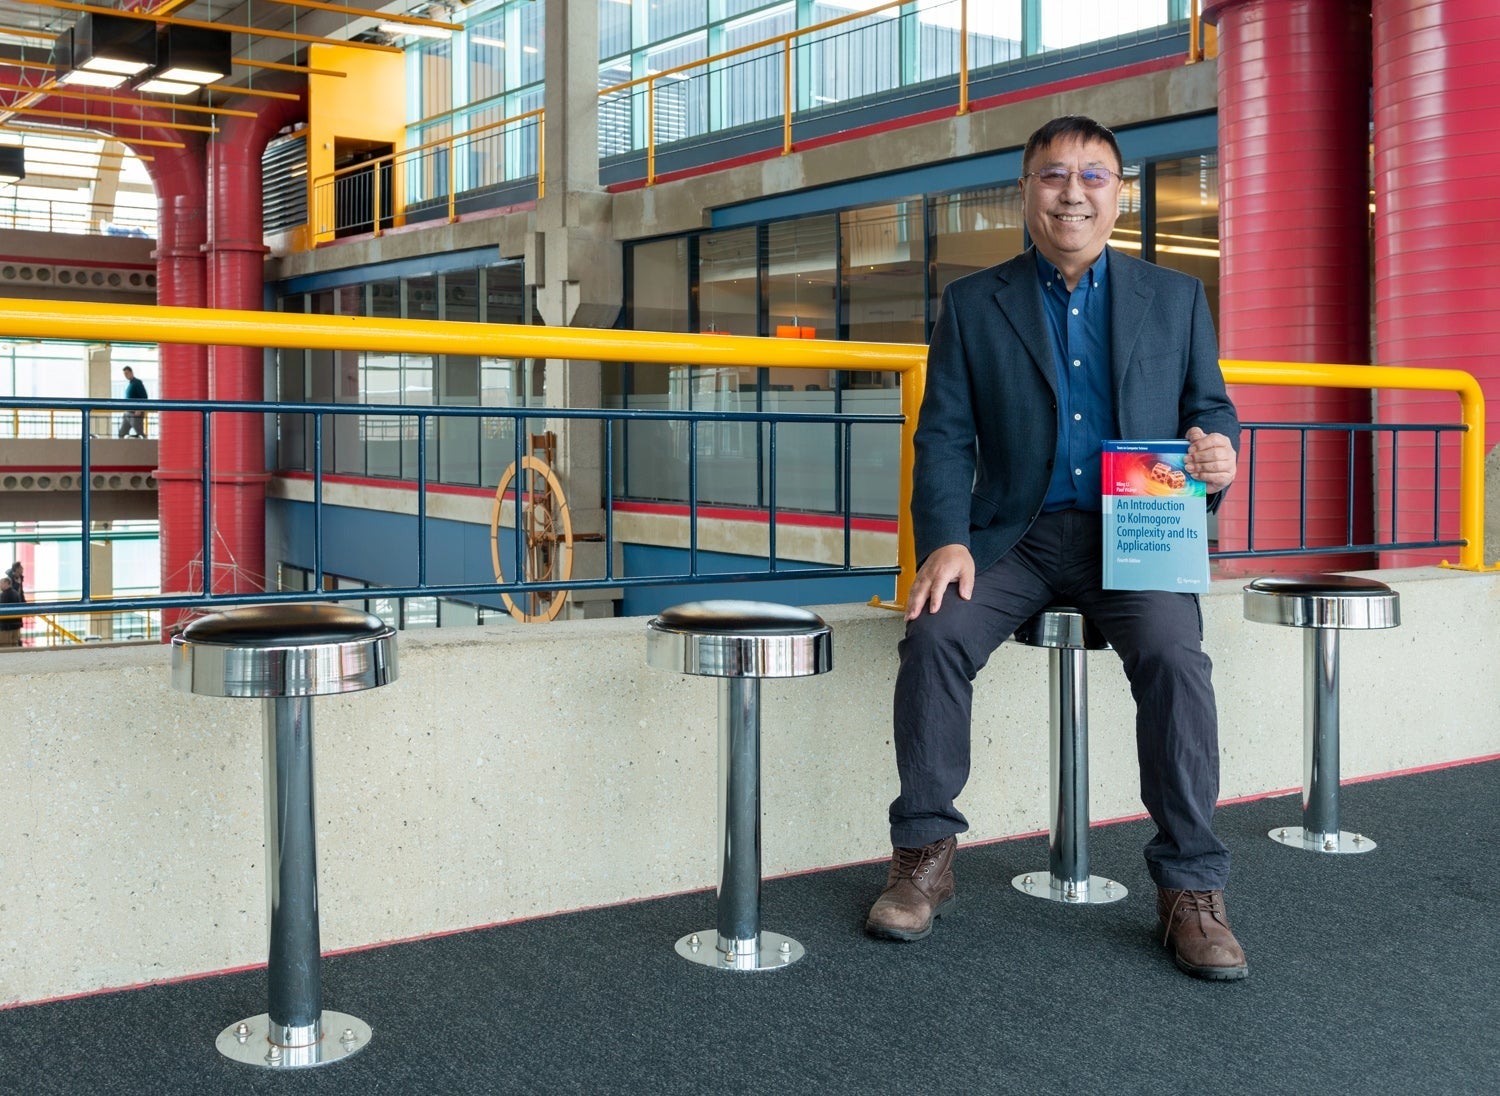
(1155, 518)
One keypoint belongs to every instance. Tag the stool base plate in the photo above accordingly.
(773, 952)
(1333, 844)
(1096, 891)
(249, 1042)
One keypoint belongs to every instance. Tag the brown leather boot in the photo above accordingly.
(1196, 927)
(917, 890)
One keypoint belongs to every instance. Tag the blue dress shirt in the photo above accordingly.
(1078, 322)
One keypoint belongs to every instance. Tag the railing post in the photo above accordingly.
(375, 196)
(786, 96)
(651, 132)
(963, 56)
(453, 176)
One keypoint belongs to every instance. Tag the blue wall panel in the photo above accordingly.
(381, 549)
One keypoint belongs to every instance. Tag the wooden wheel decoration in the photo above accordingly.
(543, 521)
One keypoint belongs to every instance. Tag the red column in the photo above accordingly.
(1294, 79)
(237, 250)
(180, 280)
(1437, 288)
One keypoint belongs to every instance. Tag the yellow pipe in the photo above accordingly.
(1471, 402)
(74, 320)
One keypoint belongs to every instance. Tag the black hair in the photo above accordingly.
(1071, 125)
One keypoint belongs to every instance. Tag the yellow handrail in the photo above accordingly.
(230, 327)
(1461, 384)
(63, 424)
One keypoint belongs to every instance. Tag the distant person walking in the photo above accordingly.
(133, 423)
(10, 626)
(17, 576)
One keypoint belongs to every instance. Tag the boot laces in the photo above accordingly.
(910, 863)
(1191, 902)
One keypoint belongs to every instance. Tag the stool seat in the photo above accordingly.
(1061, 627)
(1322, 601)
(278, 651)
(739, 639)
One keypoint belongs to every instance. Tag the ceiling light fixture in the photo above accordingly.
(110, 45)
(414, 30)
(192, 55)
(12, 164)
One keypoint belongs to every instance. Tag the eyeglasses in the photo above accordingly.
(1055, 178)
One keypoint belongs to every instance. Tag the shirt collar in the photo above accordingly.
(1096, 274)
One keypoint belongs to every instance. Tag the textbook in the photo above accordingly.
(1155, 518)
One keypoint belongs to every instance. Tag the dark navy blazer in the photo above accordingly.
(988, 425)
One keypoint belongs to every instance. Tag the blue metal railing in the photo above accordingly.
(1359, 523)
(205, 597)
(1359, 526)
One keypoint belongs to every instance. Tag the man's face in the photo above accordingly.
(1071, 224)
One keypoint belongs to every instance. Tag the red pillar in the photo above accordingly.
(1294, 78)
(236, 252)
(182, 228)
(1437, 289)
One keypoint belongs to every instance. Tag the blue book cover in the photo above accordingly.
(1155, 518)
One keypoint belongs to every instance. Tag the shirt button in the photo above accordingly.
(1078, 471)
(1077, 362)
(1077, 418)
(1075, 311)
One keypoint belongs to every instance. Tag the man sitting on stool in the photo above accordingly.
(1032, 365)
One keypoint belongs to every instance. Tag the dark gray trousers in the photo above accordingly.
(1158, 637)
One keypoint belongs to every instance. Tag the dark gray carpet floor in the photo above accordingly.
(1369, 974)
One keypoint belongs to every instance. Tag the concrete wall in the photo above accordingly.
(521, 771)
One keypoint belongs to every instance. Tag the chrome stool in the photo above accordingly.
(1066, 635)
(285, 655)
(739, 642)
(1324, 605)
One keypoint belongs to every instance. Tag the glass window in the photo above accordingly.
(727, 282)
(681, 97)
(457, 455)
(659, 275)
(669, 18)
(293, 431)
(860, 57)
(1187, 220)
(753, 83)
(1072, 22)
(972, 230)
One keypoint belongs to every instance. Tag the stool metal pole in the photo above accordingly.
(1320, 831)
(737, 942)
(294, 970)
(739, 642)
(1068, 841)
(739, 815)
(1068, 879)
(294, 1031)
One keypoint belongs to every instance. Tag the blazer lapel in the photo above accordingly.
(1129, 304)
(1020, 302)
